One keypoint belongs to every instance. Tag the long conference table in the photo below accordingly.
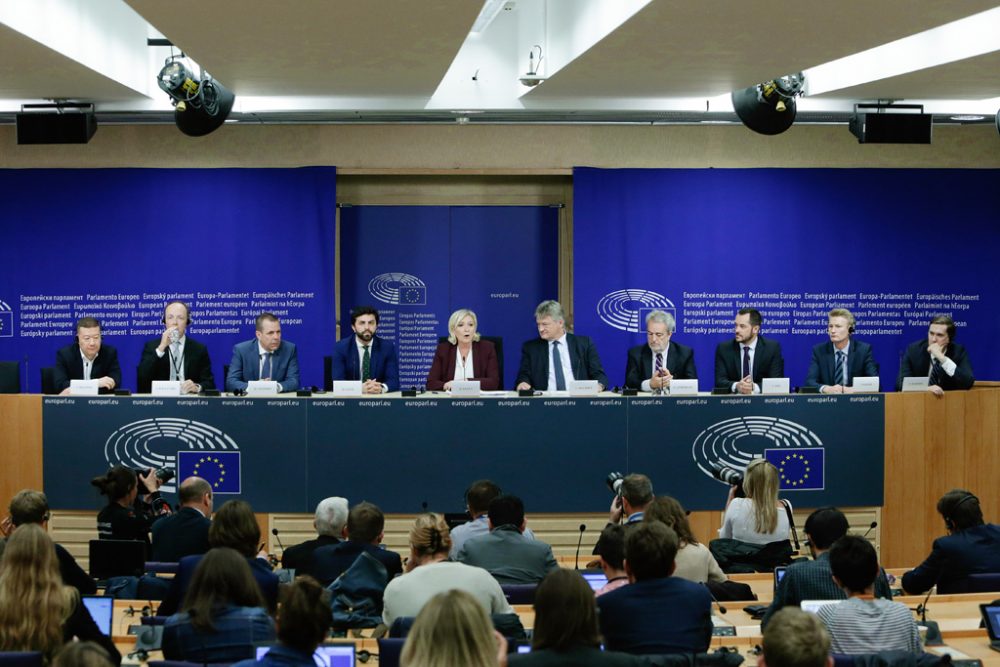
(283, 454)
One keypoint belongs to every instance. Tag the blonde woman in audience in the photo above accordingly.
(38, 612)
(694, 561)
(428, 572)
(453, 629)
(760, 518)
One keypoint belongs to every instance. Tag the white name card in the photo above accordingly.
(683, 387)
(465, 389)
(262, 388)
(83, 388)
(916, 384)
(166, 388)
(866, 384)
(775, 386)
(347, 387)
(583, 387)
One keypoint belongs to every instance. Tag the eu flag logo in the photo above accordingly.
(6, 324)
(220, 469)
(413, 296)
(799, 468)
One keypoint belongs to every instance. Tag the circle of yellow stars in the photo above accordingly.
(216, 461)
(805, 474)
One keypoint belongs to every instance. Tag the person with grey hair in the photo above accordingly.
(652, 366)
(550, 361)
(330, 522)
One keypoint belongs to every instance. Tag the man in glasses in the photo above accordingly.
(652, 366)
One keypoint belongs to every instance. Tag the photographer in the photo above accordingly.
(127, 516)
(633, 495)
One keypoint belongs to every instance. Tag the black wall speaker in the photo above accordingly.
(891, 128)
(55, 128)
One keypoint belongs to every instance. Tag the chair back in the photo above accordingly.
(497, 344)
(10, 377)
(21, 658)
(983, 582)
(117, 558)
(161, 567)
(49, 380)
(519, 593)
(389, 651)
(328, 373)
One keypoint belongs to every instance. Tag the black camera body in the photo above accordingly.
(729, 476)
(614, 481)
(162, 474)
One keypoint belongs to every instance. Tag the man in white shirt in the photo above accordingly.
(265, 357)
(87, 359)
(743, 362)
(651, 367)
(176, 356)
(555, 358)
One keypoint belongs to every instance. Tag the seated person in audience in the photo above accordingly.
(811, 579)
(742, 364)
(82, 654)
(478, 497)
(223, 615)
(464, 356)
(37, 611)
(939, 358)
(366, 357)
(303, 621)
(795, 638)
(838, 361)
(694, 561)
(266, 357)
(175, 356)
(863, 623)
(656, 612)
(330, 523)
(365, 532)
(550, 361)
(184, 533)
(127, 516)
(565, 633)
(970, 547)
(29, 507)
(505, 553)
(612, 543)
(652, 366)
(233, 526)
(429, 572)
(453, 629)
(629, 505)
(87, 359)
(759, 518)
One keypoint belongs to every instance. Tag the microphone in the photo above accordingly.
(274, 560)
(583, 527)
(722, 610)
(922, 607)
(870, 528)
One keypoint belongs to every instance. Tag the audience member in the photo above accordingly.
(82, 654)
(429, 572)
(127, 516)
(37, 611)
(223, 615)
(630, 503)
(565, 633)
(478, 497)
(505, 553)
(612, 545)
(760, 518)
(655, 613)
(862, 623)
(184, 533)
(694, 561)
(453, 629)
(365, 532)
(303, 621)
(330, 523)
(795, 639)
(971, 546)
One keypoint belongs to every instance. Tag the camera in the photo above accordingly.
(162, 474)
(614, 481)
(729, 476)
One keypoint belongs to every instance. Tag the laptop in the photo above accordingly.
(991, 617)
(326, 655)
(812, 606)
(779, 574)
(596, 579)
(101, 609)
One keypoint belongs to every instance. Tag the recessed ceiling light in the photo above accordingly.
(968, 118)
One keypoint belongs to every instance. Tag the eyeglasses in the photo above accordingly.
(657, 336)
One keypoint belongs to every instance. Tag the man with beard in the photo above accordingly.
(366, 357)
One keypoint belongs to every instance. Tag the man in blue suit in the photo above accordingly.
(837, 362)
(550, 361)
(264, 358)
(366, 357)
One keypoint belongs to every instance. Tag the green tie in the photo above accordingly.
(366, 366)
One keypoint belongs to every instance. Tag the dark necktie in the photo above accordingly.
(746, 361)
(838, 373)
(265, 369)
(659, 363)
(366, 365)
(936, 371)
(557, 362)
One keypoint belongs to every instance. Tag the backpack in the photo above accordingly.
(356, 595)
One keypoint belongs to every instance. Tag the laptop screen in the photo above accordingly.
(779, 574)
(597, 580)
(100, 609)
(991, 614)
(812, 606)
(326, 655)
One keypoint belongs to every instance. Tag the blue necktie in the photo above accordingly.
(265, 369)
(838, 375)
(557, 362)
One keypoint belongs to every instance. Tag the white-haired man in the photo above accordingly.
(330, 522)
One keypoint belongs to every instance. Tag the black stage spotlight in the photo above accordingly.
(201, 106)
(769, 108)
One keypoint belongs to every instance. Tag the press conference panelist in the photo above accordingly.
(87, 359)
(557, 357)
(741, 363)
(464, 356)
(265, 357)
(940, 359)
(650, 367)
(837, 362)
(175, 356)
(366, 357)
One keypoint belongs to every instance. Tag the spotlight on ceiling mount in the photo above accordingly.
(769, 108)
(201, 104)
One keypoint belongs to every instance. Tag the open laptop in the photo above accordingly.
(991, 617)
(595, 578)
(101, 609)
(812, 606)
(326, 655)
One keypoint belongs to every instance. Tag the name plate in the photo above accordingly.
(775, 386)
(583, 387)
(347, 387)
(83, 388)
(263, 388)
(866, 384)
(166, 388)
(465, 389)
(916, 384)
(683, 387)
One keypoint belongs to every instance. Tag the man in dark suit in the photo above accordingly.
(330, 523)
(505, 552)
(940, 359)
(264, 358)
(366, 357)
(837, 362)
(185, 532)
(741, 363)
(175, 356)
(550, 361)
(650, 367)
(972, 546)
(365, 531)
(87, 359)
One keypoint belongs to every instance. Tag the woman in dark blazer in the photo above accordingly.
(464, 356)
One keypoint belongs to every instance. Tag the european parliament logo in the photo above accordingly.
(413, 296)
(6, 321)
(799, 468)
(626, 309)
(220, 469)
(398, 288)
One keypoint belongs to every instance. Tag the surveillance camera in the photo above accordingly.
(531, 80)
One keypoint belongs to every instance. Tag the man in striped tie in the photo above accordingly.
(265, 357)
(837, 362)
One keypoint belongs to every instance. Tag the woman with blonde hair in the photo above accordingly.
(694, 561)
(760, 518)
(453, 629)
(38, 612)
(429, 572)
(464, 356)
